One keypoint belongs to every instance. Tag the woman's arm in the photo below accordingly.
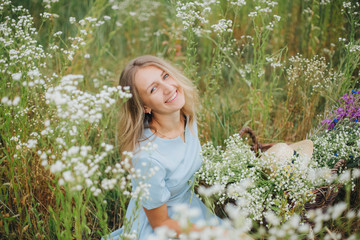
(159, 217)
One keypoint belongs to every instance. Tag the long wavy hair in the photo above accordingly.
(133, 120)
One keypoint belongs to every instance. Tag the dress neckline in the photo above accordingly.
(149, 134)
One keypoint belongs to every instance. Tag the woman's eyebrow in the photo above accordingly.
(150, 86)
(162, 73)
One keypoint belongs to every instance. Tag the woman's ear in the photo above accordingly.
(147, 110)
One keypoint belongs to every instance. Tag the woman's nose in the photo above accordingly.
(168, 88)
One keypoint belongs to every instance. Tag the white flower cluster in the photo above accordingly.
(196, 15)
(312, 74)
(296, 178)
(271, 24)
(49, 2)
(79, 168)
(85, 26)
(93, 22)
(183, 214)
(8, 102)
(263, 10)
(141, 192)
(325, 2)
(273, 62)
(142, 12)
(47, 15)
(216, 162)
(319, 217)
(4, 3)
(74, 104)
(193, 14)
(238, 3)
(350, 5)
(335, 144)
(18, 36)
(258, 183)
(353, 48)
(242, 227)
(264, 7)
(30, 144)
(351, 10)
(231, 168)
(223, 26)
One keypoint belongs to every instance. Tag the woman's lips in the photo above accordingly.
(172, 98)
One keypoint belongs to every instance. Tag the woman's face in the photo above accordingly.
(159, 91)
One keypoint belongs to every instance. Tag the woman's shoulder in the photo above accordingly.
(146, 147)
(144, 155)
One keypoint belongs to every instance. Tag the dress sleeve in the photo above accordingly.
(158, 192)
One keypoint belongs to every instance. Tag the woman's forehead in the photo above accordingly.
(149, 68)
(148, 72)
(147, 75)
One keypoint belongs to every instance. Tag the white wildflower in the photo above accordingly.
(16, 76)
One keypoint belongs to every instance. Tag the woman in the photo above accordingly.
(161, 111)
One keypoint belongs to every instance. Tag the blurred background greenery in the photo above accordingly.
(237, 84)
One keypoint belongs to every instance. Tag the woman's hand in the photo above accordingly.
(159, 217)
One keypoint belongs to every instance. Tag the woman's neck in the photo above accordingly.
(169, 126)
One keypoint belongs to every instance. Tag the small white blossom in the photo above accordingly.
(16, 76)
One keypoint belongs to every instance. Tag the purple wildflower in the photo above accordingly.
(349, 107)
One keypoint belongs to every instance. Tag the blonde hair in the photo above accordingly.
(132, 120)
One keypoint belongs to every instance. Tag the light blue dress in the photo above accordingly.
(177, 161)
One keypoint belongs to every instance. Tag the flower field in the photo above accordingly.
(289, 70)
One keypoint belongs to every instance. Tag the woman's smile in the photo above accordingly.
(172, 97)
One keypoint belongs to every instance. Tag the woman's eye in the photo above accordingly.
(153, 89)
(166, 75)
